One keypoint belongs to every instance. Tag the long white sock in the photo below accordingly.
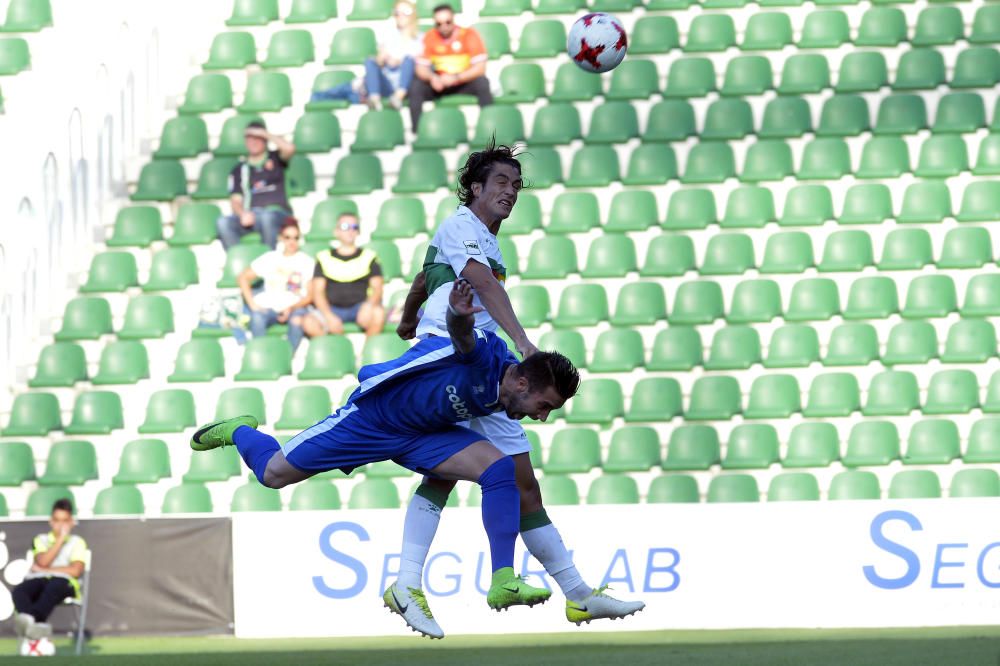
(542, 540)
(419, 527)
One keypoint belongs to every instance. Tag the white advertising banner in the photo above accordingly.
(697, 566)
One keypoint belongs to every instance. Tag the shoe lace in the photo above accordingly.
(599, 592)
(418, 596)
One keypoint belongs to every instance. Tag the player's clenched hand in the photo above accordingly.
(407, 330)
(527, 349)
(460, 299)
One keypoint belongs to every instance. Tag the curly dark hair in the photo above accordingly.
(544, 369)
(477, 168)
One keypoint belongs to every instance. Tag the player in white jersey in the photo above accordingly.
(465, 246)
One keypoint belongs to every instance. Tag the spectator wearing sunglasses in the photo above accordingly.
(285, 296)
(347, 285)
(453, 62)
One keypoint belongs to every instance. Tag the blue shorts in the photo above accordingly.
(348, 438)
(348, 315)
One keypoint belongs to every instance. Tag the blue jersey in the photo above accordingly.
(433, 385)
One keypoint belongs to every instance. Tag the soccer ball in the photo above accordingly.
(597, 42)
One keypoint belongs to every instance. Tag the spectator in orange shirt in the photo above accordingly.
(453, 62)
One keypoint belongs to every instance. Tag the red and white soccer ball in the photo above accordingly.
(597, 42)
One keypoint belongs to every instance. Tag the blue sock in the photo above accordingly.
(501, 510)
(255, 448)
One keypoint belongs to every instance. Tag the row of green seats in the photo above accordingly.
(262, 12)
(165, 179)
(115, 271)
(89, 317)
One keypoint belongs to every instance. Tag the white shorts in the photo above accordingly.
(503, 432)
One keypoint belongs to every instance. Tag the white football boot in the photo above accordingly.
(411, 604)
(599, 606)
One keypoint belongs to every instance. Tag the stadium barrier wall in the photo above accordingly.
(783, 565)
(155, 576)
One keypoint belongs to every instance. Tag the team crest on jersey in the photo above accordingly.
(478, 388)
(472, 247)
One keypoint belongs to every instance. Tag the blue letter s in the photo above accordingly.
(907, 555)
(340, 558)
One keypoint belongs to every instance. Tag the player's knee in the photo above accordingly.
(272, 480)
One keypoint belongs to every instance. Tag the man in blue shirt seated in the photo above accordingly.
(412, 410)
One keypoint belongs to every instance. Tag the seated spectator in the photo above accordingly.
(453, 62)
(285, 297)
(347, 285)
(257, 189)
(59, 562)
(390, 72)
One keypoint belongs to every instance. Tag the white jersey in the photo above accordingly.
(461, 238)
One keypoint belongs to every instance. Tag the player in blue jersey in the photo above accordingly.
(408, 410)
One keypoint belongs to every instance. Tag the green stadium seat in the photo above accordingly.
(400, 217)
(70, 463)
(975, 483)
(872, 298)
(727, 119)
(709, 162)
(824, 29)
(33, 415)
(672, 488)
(266, 91)
(733, 488)
(910, 342)
(749, 206)
(979, 204)
(300, 178)
(914, 484)
(767, 31)
(970, 341)
(631, 210)
(952, 392)
(881, 26)
(315, 494)
(496, 38)
(304, 406)
(504, 123)
(122, 362)
(932, 442)
(594, 166)
(312, 11)
(143, 461)
(378, 130)
(634, 79)
(930, 296)
(551, 257)
(290, 48)
(598, 401)
(41, 500)
(692, 208)
(901, 114)
(632, 449)
(370, 10)
(728, 254)
(147, 316)
(650, 164)
(773, 396)
(183, 136)
(187, 498)
(826, 158)
(938, 26)
(940, 157)
(612, 255)
(239, 401)
(170, 410)
(807, 205)
(160, 180)
(769, 160)
(792, 346)
(541, 167)
(714, 398)
(213, 180)
(95, 413)
(734, 348)
(988, 157)
(15, 57)
(755, 301)
(17, 463)
(697, 302)
(573, 450)
(326, 80)
(906, 249)
(833, 394)
(231, 50)
(351, 46)
(317, 132)
(613, 122)
(111, 272)
(804, 73)
(325, 217)
(27, 16)
(985, 25)
(556, 124)
(541, 38)
(252, 496)
(892, 393)
(852, 344)
(639, 304)
(690, 77)
(253, 12)
(569, 343)
(572, 84)
(238, 258)
(655, 399)
(654, 34)
(668, 255)
(884, 157)
(119, 500)
(216, 465)
(328, 357)
(85, 318)
(692, 447)
(613, 489)
(843, 115)
(976, 67)
(265, 359)
(793, 487)
(710, 32)
(195, 225)
(440, 128)
(991, 402)
(231, 139)
(531, 304)
(559, 490)
(872, 443)
(59, 364)
(866, 203)
(981, 296)
(748, 75)
(959, 112)
(984, 443)
(788, 252)
(862, 71)
(919, 69)
(854, 485)
(581, 305)
(172, 268)
(812, 444)
(383, 347)
(357, 173)
(574, 212)
(813, 299)
(676, 348)
(784, 118)
(374, 494)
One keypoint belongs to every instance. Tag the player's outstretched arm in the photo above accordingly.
(460, 317)
(408, 320)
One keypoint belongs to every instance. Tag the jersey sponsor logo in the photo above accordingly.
(472, 247)
(461, 410)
